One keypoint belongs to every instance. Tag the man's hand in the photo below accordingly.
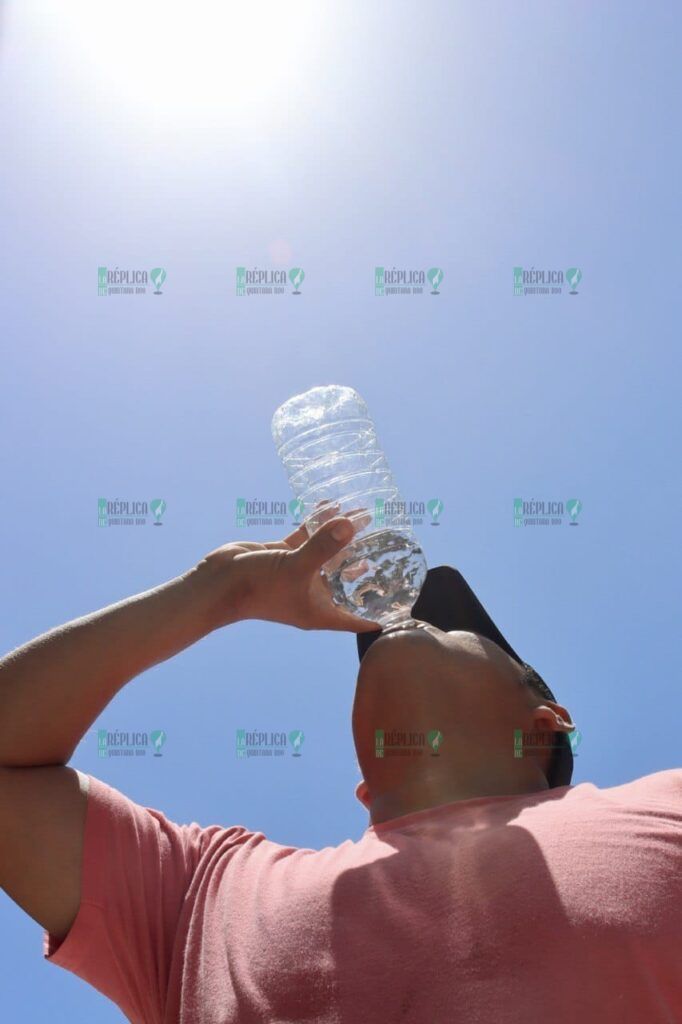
(281, 581)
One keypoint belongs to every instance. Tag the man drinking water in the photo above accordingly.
(485, 888)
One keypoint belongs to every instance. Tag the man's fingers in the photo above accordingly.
(324, 512)
(298, 537)
(324, 544)
(360, 519)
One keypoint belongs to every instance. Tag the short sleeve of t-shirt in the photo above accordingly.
(136, 870)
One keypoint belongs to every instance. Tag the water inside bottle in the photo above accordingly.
(380, 577)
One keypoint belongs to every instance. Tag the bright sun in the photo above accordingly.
(204, 58)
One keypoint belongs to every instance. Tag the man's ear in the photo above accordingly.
(362, 793)
(551, 717)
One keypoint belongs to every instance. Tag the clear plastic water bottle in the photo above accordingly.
(329, 448)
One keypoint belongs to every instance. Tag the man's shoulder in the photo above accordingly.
(664, 786)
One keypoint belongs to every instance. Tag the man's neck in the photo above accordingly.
(422, 794)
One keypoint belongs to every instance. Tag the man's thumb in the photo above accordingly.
(325, 542)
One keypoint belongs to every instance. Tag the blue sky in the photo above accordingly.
(472, 137)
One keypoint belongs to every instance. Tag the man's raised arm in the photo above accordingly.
(53, 688)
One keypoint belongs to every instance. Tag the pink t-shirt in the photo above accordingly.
(559, 906)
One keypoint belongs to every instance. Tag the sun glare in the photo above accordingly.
(195, 59)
